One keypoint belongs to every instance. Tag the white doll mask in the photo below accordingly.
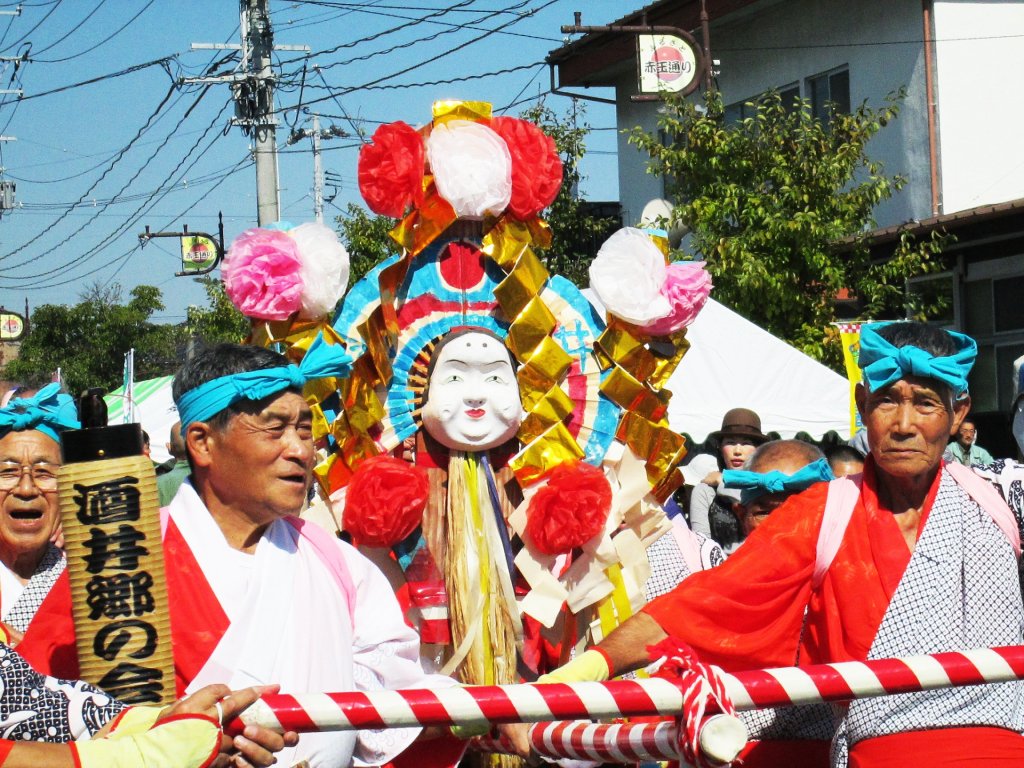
(473, 397)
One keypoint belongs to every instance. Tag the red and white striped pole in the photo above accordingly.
(482, 705)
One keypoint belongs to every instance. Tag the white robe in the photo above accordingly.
(291, 625)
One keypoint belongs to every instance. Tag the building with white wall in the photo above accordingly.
(957, 139)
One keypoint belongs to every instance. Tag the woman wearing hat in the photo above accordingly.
(711, 505)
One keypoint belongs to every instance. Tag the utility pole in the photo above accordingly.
(318, 174)
(318, 167)
(252, 84)
(264, 127)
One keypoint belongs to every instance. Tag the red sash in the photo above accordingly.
(197, 620)
(49, 644)
(941, 748)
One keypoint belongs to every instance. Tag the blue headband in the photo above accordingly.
(884, 365)
(49, 411)
(753, 485)
(321, 361)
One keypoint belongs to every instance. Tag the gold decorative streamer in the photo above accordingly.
(476, 111)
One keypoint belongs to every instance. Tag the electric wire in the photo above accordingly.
(164, 62)
(371, 85)
(24, 37)
(131, 220)
(74, 27)
(110, 166)
(392, 49)
(128, 183)
(370, 38)
(102, 42)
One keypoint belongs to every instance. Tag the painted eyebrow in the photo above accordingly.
(488, 364)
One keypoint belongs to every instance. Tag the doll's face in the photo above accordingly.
(473, 398)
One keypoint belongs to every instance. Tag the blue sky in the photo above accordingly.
(95, 163)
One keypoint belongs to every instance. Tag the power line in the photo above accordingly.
(44, 207)
(75, 27)
(451, 29)
(443, 54)
(117, 158)
(371, 38)
(131, 221)
(102, 42)
(24, 37)
(426, 83)
(163, 62)
(128, 183)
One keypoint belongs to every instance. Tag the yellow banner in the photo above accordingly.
(849, 335)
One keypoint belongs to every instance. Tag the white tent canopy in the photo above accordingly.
(154, 410)
(733, 363)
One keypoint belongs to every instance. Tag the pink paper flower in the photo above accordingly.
(261, 274)
(686, 287)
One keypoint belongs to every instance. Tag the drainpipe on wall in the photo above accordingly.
(927, 17)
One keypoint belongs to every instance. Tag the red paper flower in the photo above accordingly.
(385, 501)
(570, 510)
(391, 170)
(536, 166)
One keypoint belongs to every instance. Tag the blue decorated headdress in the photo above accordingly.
(883, 364)
(322, 360)
(49, 411)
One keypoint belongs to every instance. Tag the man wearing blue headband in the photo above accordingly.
(773, 473)
(912, 557)
(256, 594)
(37, 614)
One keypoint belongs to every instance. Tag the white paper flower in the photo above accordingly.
(472, 167)
(324, 268)
(627, 276)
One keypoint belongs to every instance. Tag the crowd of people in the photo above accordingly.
(779, 554)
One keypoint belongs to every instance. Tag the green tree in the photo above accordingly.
(220, 320)
(767, 200)
(88, 340)
(576, 233)
(367, 239)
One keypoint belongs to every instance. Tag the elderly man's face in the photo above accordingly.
(29, 510)
(967, 434)
(909, 425)
(261, 463)
(757, 511)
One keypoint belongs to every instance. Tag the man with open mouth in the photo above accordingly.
(255, 593)
(38, 617)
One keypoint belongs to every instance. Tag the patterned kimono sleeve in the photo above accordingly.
(1008, 476)
(34, 707)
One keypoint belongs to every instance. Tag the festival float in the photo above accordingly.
(506, 446)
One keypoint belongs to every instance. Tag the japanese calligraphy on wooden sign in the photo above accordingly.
(115, 557)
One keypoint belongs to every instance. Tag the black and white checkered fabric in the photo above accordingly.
(38, 587)
(961, 590)
(668, 567)
(34, 707)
